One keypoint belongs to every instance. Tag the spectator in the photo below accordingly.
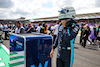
(39, 29)
(34, 28)
(19, 28)
(9, 26)
(2, 27)
(6, 31)
(98, 38)
(92, 37)
(95, 32)
(82, 33)
(55, 30)
(23, 25)
(85, 37)
(45, 28)
(49, 30)
(29, 29)
(5, 27)
(26, 27)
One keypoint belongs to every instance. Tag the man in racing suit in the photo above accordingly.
(68, 30)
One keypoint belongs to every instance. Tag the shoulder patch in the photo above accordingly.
(76, 28)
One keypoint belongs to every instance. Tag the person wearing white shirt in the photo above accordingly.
(19, 28)
(5, 27)
(1, 26)
(39, 28)
(55, 30)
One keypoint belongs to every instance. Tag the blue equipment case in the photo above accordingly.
(36, 48)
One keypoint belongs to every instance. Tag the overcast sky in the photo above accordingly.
(30, 9)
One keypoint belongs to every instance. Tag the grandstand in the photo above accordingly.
(92, 17)
(89, 17)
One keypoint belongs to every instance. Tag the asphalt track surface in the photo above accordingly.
(83, 57)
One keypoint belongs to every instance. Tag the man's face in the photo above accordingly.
(63, 22)
(17, 24)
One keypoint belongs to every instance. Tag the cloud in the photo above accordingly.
(83, 4)
(6, 3)
(3, 15)
(20, 11)
(97, 3)
(43, 8)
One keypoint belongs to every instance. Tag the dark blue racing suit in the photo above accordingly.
(64, 41)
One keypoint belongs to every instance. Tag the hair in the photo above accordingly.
(18, 22)
(85, 27)
(44, 25)
(57, 22)
(40, 24)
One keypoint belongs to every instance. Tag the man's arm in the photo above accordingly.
(28, 29)
(54, 46)
(55, 43)
(73, 33)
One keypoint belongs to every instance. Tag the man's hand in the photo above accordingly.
(51, 53)
(97, 35)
